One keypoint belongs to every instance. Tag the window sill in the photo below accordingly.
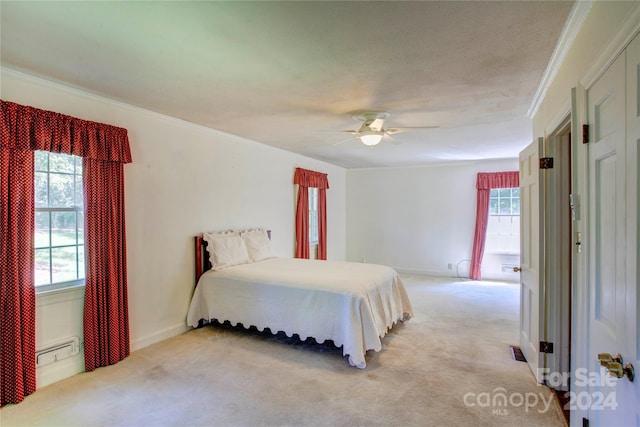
(71, 288)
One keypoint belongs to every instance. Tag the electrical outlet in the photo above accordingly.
(450, 266)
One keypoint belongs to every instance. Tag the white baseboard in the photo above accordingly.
(509, 278)
(66, 368)
(420, 272)
(60, 370)
(139, 343)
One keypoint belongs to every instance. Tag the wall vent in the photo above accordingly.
(61, 350)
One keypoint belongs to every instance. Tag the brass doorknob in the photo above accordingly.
(606, 357)
(614, 366)
(517, 269)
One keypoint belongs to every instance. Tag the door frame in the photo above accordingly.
(580, 262)
(558, 232)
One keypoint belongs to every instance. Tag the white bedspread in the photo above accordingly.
(353, 304)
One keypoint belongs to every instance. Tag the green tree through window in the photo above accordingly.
(59, 221)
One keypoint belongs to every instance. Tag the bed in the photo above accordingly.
(352, 304)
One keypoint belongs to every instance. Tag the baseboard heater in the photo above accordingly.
(61, 350)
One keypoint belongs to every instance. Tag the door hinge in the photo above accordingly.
(546, 162)
(585, 134)
(546, 347)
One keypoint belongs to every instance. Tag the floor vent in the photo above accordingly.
(517, 354)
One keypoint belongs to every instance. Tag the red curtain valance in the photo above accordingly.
(28, 128)
(308, 178)
(489, 180)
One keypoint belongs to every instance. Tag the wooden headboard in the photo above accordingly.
(202, 256)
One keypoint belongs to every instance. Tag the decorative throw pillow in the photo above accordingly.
(226, 249)
(258, 244)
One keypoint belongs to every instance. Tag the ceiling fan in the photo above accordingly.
(372, 129)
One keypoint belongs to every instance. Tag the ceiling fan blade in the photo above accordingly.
(391, 140)
(343, 141)
(354, 132)
(406, 129)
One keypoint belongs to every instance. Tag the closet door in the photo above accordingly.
(531, 254)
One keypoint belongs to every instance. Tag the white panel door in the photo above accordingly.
(531, 270)
(612, 249)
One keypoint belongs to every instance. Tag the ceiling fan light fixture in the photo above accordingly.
(372, 138)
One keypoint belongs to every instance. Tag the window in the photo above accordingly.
(313, 216)
(59, 221)
(503, 227)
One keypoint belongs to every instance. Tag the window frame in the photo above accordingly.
(497, 248)
(77, 209)
(314, 237)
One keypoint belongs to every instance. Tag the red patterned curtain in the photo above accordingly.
(17, 293)
(24, 129)
(302, 223)
(106, 316)
(322, 224)
(306, 178)
(487, 181)
(29, 128)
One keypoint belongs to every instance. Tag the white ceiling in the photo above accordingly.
(283, 73)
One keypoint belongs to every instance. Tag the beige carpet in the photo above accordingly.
(449, 365)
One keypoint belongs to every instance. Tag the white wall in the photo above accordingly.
(417, 219)
(184, 179)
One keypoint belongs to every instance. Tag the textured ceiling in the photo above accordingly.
(288, 73)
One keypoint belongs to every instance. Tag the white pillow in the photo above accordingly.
(210, 235)
(213, 234)
(258, 244)
(226, 249)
